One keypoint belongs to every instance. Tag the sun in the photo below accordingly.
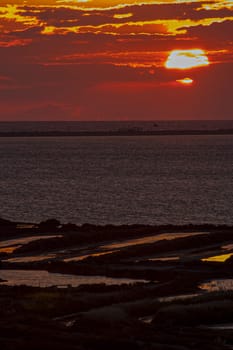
(186, 59)
(185, 81)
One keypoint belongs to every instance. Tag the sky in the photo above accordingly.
(113, 60)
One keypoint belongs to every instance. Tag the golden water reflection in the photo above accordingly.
(167, 258)
(218, 258)
(217, 285)
(25, 240)
(33, 258)
(83, 257)
(151, 239)
(228, 246)
(9, 250)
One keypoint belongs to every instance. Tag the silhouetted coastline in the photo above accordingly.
(126, 132)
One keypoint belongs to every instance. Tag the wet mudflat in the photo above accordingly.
(135, 287)
(42, 278)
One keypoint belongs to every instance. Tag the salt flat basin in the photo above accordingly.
(228, 246)
(108, 249)
(218, 258)
(159, 259)
(83, 257)
(217, 285)
(9, 249)
(223, 326)
(31, 258)
(178, 297)
(146, 319)
(151, 239)
(44, 257)
(166, 258)
(40, 278)
(25, 240)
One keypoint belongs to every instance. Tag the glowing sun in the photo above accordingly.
(186, 59)
(185, 81)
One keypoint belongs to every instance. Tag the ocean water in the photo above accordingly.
(117, 180)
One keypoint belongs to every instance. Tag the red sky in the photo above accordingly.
(105, 60)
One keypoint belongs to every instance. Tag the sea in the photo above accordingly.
(129, 179)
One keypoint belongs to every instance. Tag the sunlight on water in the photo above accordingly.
(25, 240)
(178, 297)
(25, 226)
(217, 285)
(168, 258)
(152, 239)
(83, 257)
(218, 258)
(33, 258)
(9, 249)
(228, 246)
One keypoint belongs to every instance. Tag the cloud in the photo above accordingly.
(75, 18)
(214, 33)
(61, 61)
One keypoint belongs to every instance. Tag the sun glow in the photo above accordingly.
(186, 59)
(185, 81)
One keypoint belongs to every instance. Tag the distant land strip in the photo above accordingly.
(115, 133)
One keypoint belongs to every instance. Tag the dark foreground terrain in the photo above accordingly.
(171, 287)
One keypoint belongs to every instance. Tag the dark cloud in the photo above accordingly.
(216, 32)
(192, 11)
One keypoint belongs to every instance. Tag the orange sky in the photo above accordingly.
(109, 60)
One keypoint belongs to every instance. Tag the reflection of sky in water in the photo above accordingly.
(101, 251)
(217, 285)
(25, 240)
(83, 257)
(227, 246)
(164, 258)
(9, 249)
(218, 258)
(168, 258)
(33, 258)
(178, 297)
(222, 326)
(46, 279)
(145, 240)
(151, 239)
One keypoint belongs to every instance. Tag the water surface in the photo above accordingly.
(118, 180)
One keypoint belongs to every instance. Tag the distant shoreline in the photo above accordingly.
(115, 133)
